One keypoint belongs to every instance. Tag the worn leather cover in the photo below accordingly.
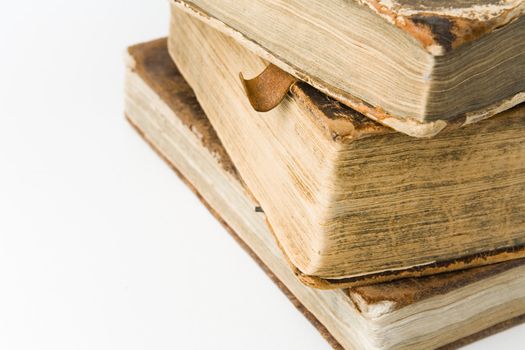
(154, 66)
(447, 24)
(408, 291)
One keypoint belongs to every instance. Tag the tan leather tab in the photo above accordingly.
(268, 89)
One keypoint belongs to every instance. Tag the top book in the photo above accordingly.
(416, 66)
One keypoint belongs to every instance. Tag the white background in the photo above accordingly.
(101, 245)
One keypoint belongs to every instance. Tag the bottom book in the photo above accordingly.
(441, 311)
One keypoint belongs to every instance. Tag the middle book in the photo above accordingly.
(350, 201)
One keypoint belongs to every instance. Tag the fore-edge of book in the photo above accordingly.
(163, 109)
(440, 27)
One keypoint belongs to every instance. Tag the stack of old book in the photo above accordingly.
(369, 154)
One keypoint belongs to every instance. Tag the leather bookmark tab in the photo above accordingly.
(268, 89)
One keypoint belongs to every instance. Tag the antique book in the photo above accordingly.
(417, 313)
(416, 66)
(349, 200)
